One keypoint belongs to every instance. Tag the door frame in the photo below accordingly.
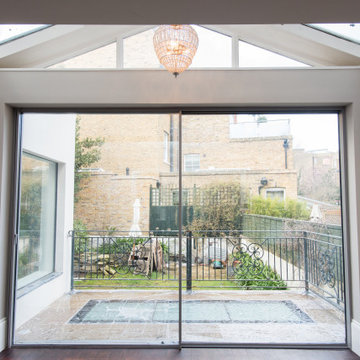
(181, 110)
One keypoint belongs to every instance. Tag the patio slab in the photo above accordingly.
(53, 325)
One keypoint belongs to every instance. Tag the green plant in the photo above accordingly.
(290, 208)
(80, 237)
(111, 230)
(165, 248)
(116, 245)
(218, 207)
(251, 272)
(87, 152)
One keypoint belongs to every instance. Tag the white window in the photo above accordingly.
(139, 51)
(211, 42)
(166, 147)
(37, 219)
(191, 162)
(275, 193)
(102, 57)
(254, 56)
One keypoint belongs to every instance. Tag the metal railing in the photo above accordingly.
(221, 259)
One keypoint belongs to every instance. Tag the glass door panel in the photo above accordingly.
(262, 214)
(99, 256)
(108, 249)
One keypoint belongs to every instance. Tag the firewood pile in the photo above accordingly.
(140, 259)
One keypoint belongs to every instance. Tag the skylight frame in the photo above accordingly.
(319, 27)
(24, 34)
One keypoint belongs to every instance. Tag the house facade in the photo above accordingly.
(216, 150)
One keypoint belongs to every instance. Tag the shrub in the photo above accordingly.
(218, 207)
(80, 232)
(119, 245)
(290, 208)
(253, 273)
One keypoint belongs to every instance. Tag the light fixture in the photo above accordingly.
(175, 46)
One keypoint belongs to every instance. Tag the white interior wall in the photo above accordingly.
(114, 88)
(52, 136)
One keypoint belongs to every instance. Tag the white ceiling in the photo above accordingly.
(177, 12)
(60, 42)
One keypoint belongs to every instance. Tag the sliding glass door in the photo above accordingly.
(262, 210)
(180, 229)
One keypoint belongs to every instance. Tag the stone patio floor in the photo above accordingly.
(52, 324)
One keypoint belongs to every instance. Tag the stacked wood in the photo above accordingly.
(145, 258)
(142, 259)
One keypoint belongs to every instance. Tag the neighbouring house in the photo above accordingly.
(257, 155)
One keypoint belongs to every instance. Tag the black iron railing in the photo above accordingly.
(256, 259)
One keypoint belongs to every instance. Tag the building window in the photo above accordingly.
(275, 193)
(191, 162)
(166, 147)
(36, 247)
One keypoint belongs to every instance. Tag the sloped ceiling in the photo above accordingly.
(60, 42)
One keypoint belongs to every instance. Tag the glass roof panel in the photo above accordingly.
(254, 56)
(139, 51)
(103, 57)
(11, 32)
(349, 32)
(214, 49)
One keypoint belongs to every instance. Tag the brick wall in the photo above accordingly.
(136, 142)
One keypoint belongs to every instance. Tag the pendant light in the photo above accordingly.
(175, 47)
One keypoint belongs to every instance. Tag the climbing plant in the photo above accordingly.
(87, 153)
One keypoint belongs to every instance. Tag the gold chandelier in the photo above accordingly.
(175, 46)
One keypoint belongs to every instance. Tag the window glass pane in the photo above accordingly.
(37, 219)
(103, 57)
(275, 194)
(346, 31)
(114, 200)
(263, 221)
(139, 51)
(214, 49)
(191, 162)
(12, 31)
(254, 56)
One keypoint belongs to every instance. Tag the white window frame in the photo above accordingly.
(36, 275)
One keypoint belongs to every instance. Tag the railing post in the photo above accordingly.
(306, 262)
(72, 259)
(188, 261)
